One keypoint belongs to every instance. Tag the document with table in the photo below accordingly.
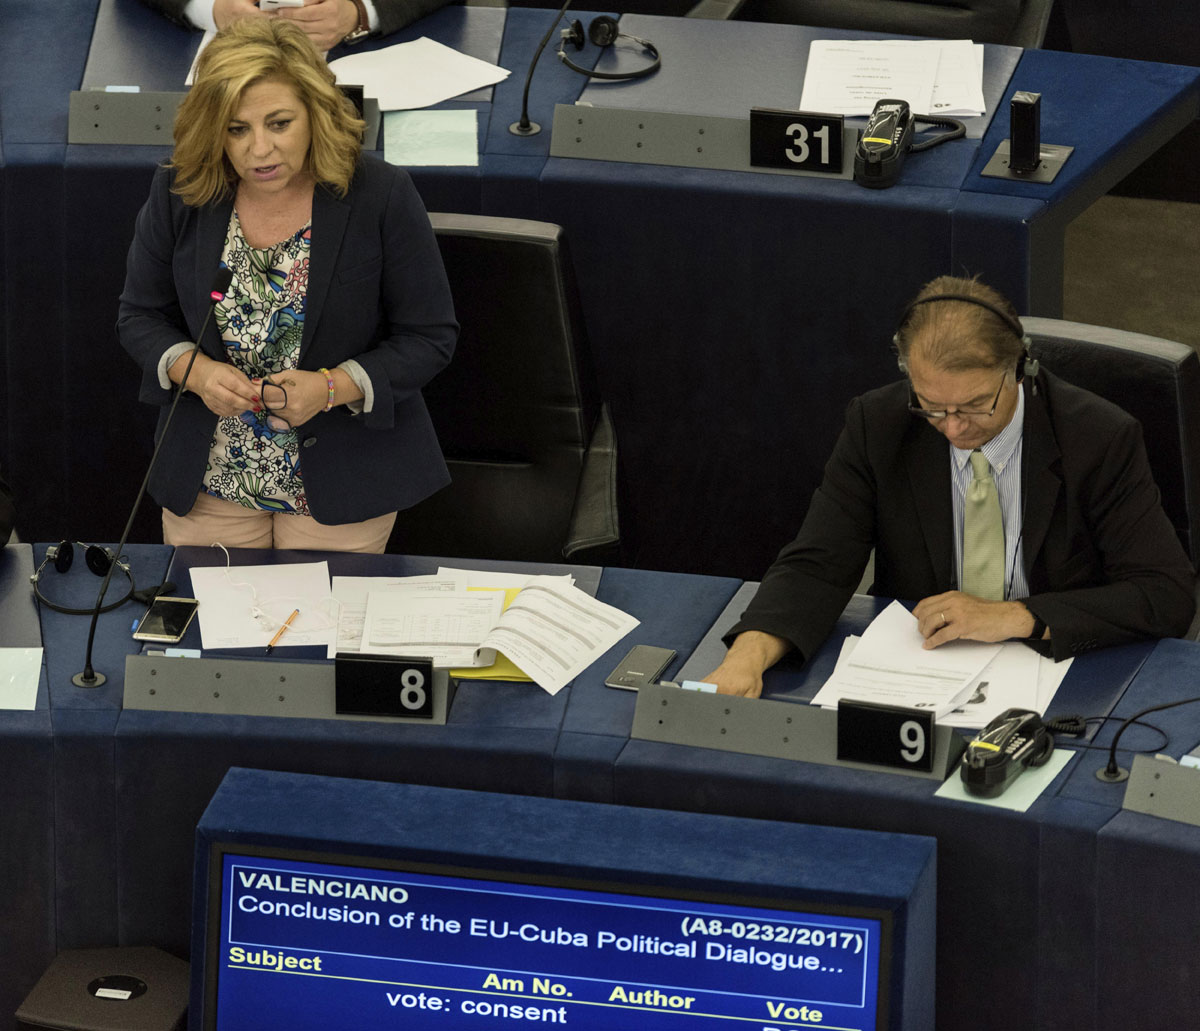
(486, 625)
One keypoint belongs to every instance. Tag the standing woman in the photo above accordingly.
(303, 425)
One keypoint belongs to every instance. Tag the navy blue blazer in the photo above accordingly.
(377, 293)
(1103, 562)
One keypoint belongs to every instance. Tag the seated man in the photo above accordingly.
(1004, 501)
(326, 22)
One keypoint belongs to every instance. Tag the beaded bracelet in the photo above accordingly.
(329, 383)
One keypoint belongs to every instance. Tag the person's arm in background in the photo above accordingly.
(396, 14)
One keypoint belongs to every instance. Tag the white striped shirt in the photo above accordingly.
(1003, 453)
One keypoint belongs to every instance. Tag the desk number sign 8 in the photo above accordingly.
(885, 735)
(796, 140)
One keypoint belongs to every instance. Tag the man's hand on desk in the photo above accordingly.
(955, 615)
(751, 653)
(226, 11)
(325, 22)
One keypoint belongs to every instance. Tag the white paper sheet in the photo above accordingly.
(1009, 681)
(229, 595)
(20, 671)
(939, 77)
(502, 580)
(417, 74)
(449, 628)
(553, 632)
(889, 666)
(848, 77)
(350, 593)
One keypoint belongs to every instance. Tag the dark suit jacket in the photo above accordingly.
(377, 293)
(1103, 563)
(393, 14)
(984, 21)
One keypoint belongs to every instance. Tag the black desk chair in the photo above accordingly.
(529, 443)
(1156, 381)
(1018, 23)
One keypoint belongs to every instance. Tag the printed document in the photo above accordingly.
(939, 77)
(889, 666)
(554, 632)
(350, 593)
(449, 628)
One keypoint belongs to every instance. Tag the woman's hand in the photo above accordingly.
(223, 389)
(305, 394)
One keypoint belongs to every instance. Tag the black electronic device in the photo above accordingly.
(99, 560)
(1003, 750)
(884, 144)
(1025, 131)
(888, 140)
(167, 620)
(642, 664)
(603, 31)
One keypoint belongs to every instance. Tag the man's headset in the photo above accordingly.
(603, 31)
(1027, 366)
(98, 560)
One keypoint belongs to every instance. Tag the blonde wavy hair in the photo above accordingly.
(239, 56)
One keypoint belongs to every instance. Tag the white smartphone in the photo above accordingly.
(643, 664)
(167, 620)
(272, 5)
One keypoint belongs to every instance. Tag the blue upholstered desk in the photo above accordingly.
(1048, 910)
(731, 314)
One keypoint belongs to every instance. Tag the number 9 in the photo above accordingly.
(912, 737)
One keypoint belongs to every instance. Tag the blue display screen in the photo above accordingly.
(318, 945)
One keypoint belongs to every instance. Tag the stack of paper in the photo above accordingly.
(964, 683)
(539, 628)
(936, 76)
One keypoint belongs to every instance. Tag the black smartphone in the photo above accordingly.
(643, 664)
(166, 620)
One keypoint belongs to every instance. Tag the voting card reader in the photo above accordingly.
(888, 140)
(1001, 752)
(884, 144)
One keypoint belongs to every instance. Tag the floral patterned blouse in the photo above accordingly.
(260, 321)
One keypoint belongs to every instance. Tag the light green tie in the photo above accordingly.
(983, 534)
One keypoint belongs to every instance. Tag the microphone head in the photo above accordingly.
(221, 283)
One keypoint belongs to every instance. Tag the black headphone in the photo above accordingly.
(98, 560)
(1027, 366)
(603, 31)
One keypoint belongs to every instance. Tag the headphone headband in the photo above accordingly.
(603, 32)
(1026, 365)
(98, 560)
(1000, 313)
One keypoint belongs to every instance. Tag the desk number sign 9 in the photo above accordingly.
(796, 140)
(885, 735)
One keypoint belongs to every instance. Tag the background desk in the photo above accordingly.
(1034, 908)
(731, 314)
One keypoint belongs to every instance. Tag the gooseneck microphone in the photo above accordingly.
(1112, 773)
(89, 677)
(525, 127)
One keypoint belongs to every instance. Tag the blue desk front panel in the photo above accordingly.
(499, 737)
(675, 612)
